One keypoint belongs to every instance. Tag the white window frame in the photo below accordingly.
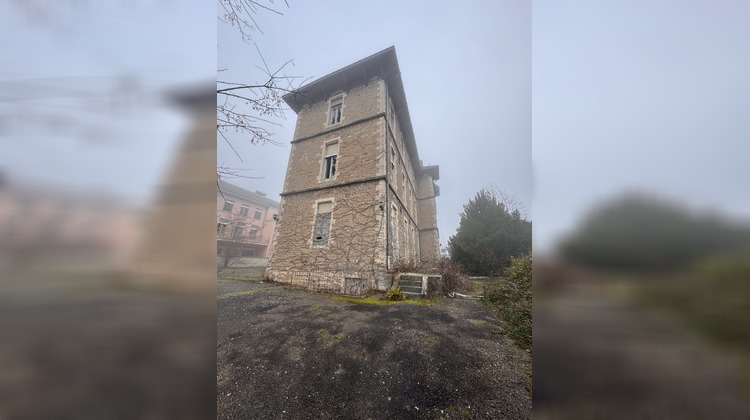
(330, 161)
(229, 203)
(237, 235)
(258, 214)
(244, 210)
(335, 109)
(221, 227)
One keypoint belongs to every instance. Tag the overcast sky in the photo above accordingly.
(639, 95)
(82, 90)
(626, 95)
(466, 69)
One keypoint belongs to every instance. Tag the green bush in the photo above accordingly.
(395, 294)
(513, 302)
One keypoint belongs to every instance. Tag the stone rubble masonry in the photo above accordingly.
(355, 259)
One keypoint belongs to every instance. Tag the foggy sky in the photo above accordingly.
(466, 70)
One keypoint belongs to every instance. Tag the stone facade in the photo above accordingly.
(356, 198)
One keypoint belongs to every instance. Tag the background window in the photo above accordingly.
(258, 213)
(228, 205)
(253, 231)
(238, 229)
(221, 228)
(244, 209)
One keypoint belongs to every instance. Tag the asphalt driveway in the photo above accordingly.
(293, 354)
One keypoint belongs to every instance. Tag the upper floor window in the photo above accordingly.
(329, 160)
(228, 205)
(253, 232)
(258, 213)
(244, 209)
(337, 103)
(393, 164)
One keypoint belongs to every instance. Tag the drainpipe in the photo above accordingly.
(387, 184)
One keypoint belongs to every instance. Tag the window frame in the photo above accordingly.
(325, 239)
(258, 214)
(244, 209)
(330, 161)
(221, 227)
(230, 204)
(335, 109)
(238, 231)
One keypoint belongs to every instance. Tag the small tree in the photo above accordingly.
(491, 232)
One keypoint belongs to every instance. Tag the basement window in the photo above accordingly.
(322, 229)
(329, 160)
(337, 103)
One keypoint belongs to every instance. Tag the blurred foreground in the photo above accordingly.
(108, 309)
(645, 314)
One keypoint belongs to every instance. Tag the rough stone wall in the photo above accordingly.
(356, 246)
(359, 102)
(360, 155)
(428, 235)
(355, 257)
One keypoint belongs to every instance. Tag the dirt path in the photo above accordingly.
(298, 355)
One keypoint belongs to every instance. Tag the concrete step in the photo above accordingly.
(411, 289)
(411, 295)
(410, 283)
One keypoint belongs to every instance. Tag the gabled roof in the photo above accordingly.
(382, 64)
(228, 189)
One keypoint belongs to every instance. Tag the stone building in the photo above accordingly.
(356, 198)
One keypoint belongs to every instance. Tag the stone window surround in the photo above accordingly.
(337, 98)
(315, 216)
(323, 168)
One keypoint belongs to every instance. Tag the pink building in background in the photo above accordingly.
(245, 222)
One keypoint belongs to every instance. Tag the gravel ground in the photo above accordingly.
(292, 354)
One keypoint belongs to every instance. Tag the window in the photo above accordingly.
(228, 205)
(329, 160)
(403, 185)
(406, 238)
(393, 164)
(248, 253)
(322, 229)
(238, 229)
(394, 233)
(253, 231)
(337, 103)
(244, 209)
(221, 227)
(258, 213)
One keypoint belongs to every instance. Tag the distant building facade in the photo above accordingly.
(245, 222)
(356, 198)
